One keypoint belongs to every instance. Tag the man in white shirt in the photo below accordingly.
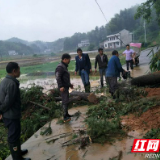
(129, 53)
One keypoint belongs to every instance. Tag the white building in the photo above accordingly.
(12, 53)
(118, 40)
(84, 43)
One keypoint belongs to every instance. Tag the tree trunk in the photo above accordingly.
(150, 79)
(72, 99)
(75, 95)
(91, 97)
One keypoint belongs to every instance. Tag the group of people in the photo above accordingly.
(109, 69)
(10, 101)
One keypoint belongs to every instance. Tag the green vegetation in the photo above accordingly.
(146, 10)
(103, 120)
(155, 61)
(153, 134)
(18, 47)
(51, 66)
(123, 20)
(32, 115)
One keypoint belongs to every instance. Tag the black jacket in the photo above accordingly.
(86, 63)
(62, 75)
(100, 63)
(10, 102)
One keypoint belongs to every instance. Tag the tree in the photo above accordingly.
(145, 10)
(91, 47)
(53, 54)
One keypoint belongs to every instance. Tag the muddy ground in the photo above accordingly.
(119, 150)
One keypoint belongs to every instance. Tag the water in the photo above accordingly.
(40, 150)
(50, 83)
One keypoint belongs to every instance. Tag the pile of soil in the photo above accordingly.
(152, 92)
(148, 120)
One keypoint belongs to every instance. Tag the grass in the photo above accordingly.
(50, 67)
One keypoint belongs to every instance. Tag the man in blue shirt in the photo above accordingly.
(83, 66)
(113, 71)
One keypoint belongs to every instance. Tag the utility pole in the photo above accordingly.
(145, 37)
(132, 36)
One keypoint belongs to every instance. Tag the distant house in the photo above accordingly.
(47, 50)
(119, 39)
(12, 53)
(84, 43)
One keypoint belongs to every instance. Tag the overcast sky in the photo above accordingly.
(48, 20)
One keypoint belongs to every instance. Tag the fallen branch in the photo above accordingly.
(51, 157)
(72, 99)
(58, 135)
(40, 105)
(47, 131)
(85, 153)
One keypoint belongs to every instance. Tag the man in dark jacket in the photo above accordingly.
(113, 72)
(63, 81)
(83, 66)
(102, 61)
(10, 109)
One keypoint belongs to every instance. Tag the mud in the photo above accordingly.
(140, 70)
(148, 120)
(40, 150)
(50, 83)
(152, 92)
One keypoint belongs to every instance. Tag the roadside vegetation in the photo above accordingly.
(51, 66)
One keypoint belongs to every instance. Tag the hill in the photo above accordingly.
(20, 48)
(122, 20)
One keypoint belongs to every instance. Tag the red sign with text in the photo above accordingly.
(146, 145)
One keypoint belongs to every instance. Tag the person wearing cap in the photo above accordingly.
(102, 61)
(83, 66)
(129, 53)
(63, 81)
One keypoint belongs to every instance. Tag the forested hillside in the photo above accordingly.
(18, 47)
(122, 20)
(40, 46)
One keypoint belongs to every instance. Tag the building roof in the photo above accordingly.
(114, 33)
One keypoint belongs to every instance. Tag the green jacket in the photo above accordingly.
(10, 102)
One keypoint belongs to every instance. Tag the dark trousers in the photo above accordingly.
(113, 84)
(84, 77)
(131, 64)
(102, 72)
(14, 129)
(65, 97)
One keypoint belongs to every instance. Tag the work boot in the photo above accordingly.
(15, 149)
(68, 115)
(101, 86)
(24, 151)
(66, 118)
(113, 95)
(87, 88)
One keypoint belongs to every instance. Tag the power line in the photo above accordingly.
(101, 10)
